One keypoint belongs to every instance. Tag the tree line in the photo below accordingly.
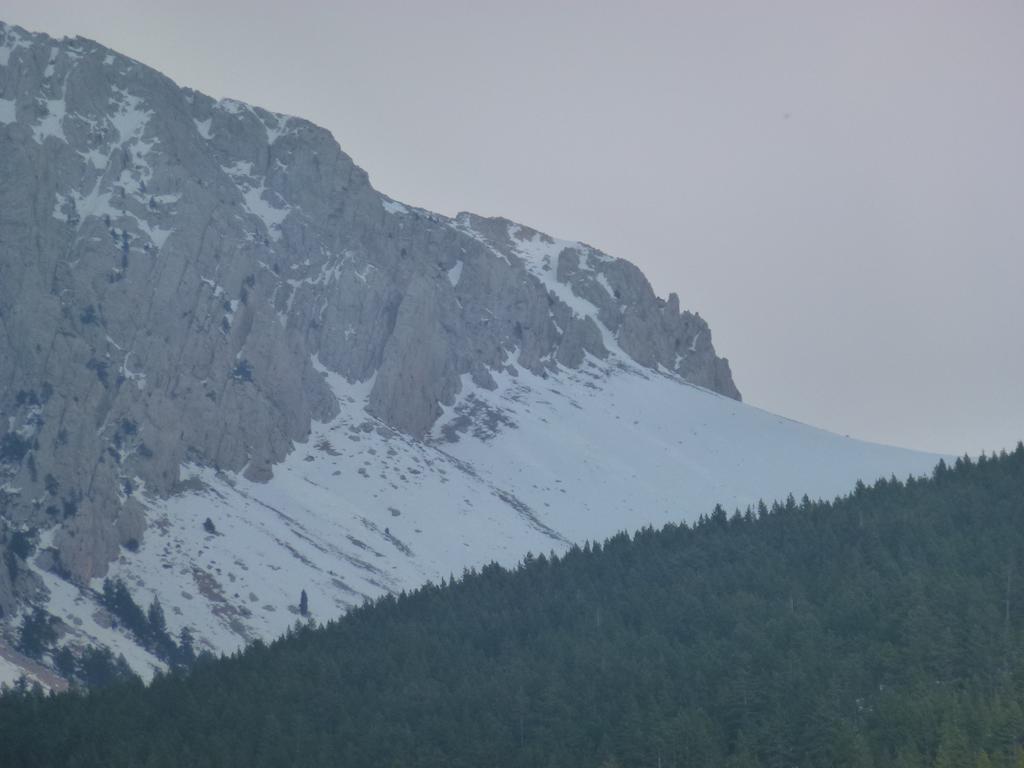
(884, 629)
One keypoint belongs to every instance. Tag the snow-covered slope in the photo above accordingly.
(538, 463)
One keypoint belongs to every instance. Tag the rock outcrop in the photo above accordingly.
(176, 271)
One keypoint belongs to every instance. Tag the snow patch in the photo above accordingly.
(157, 235)
(603, 282)
(455, 273)
(239, 169)
(96, 158)
(257, 204)
(130, 119)
(13, 42)
(9, 671)
(48, 72)
(232, 106)
(136, 377)
(277, 129)
(218, 290)
(53, 122)
(394, 208)
(203, 126)
(254, 197)
(59, 206)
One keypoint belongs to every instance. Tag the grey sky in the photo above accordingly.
(837, 187)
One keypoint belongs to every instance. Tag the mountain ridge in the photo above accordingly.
(207, 306)
(138, 194)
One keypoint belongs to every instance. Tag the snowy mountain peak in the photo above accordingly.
(232, 370)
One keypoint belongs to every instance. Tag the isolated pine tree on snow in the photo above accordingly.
(155, 616)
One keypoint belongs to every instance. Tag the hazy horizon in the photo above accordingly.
(838, 192)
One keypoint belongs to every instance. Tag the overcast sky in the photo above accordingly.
(838, 188)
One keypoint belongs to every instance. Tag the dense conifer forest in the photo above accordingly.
(882, 629)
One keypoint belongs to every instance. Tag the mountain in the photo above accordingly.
(884, 630)
(231, 371)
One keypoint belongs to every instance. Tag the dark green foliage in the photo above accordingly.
(119, 602)
(126, 430)
(186, 647)
(23, 543)
(883, 630)
(155, 618)
(37, 633)
(13, 448)
(65, 662)
(149, 627)
(304, 603)
(242, 371)
(26, 397)
(70, 506)
(97, 668)
(102, 370)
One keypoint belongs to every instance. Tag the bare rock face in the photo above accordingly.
(176, 272)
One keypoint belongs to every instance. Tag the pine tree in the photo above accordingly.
(157, 620)
(186, 647)
(953, 752)
(37, 633)
(304, 603)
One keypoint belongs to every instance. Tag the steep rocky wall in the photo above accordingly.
(174, 270)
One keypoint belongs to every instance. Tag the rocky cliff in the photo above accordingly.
(177, 273)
